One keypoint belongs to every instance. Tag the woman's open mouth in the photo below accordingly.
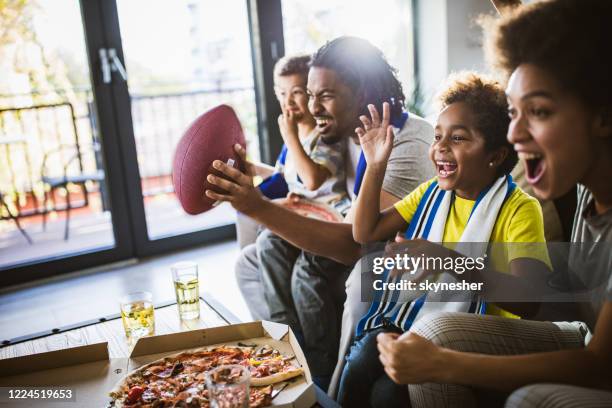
(534, 166)
(446, 168)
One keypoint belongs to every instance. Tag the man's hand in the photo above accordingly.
(376, 137)
(288, 126)
(241, 193)
(410, 358)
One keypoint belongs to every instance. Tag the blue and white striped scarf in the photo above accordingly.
(428, 223)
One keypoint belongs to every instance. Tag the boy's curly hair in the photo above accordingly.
(486, 99)
(292, 64)
(569, 39)
(364, 68)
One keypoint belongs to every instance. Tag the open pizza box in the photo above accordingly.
(91, 374)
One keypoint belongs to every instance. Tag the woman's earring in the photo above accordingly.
(491, 164)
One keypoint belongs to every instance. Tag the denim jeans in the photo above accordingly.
(306, 292)
(364, 382)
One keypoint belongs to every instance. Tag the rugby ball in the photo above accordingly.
(210, 137)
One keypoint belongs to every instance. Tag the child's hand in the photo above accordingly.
(376, 137)
(288, 126)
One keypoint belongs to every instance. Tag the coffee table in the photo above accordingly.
(110, 329)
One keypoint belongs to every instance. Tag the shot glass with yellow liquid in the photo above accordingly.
(186, 287)
(137, 315)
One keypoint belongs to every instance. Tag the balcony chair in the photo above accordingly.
(15, 218)
(74, 154)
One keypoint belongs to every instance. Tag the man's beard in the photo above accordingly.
(339, 134)
(331, 139)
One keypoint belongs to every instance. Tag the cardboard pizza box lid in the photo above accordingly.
(83, 370)
(195, 338)
(54, 359)
(203, 337)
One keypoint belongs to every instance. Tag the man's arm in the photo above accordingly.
(329, 239)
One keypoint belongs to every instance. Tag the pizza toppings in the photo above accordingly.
(229, 375)
(261, 399)
(149, 395)
(266, 351)
(180, 380)
(170, 371)
(134, 394)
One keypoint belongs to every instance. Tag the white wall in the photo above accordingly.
(448, 40)
(432, 47)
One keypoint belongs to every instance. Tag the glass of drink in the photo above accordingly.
(186, 287)
(228, 386)
(137, 315)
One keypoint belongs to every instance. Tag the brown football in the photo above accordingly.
(210, 137)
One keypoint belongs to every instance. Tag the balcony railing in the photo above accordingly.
(33, 129)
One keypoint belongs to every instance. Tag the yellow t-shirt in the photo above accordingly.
(520, 220)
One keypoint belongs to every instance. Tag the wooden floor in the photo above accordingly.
(91, 296)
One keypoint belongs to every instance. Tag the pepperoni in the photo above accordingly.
(134, 394)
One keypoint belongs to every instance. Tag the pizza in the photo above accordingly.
(313, 209)
(180, 379)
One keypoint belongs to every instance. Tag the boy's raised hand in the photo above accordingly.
(288, 126)
(376, 137)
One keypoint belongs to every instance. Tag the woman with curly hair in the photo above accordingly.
(557, 57)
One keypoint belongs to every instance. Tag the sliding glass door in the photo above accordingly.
(182, 58)
(94, 96)
(55, 196)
